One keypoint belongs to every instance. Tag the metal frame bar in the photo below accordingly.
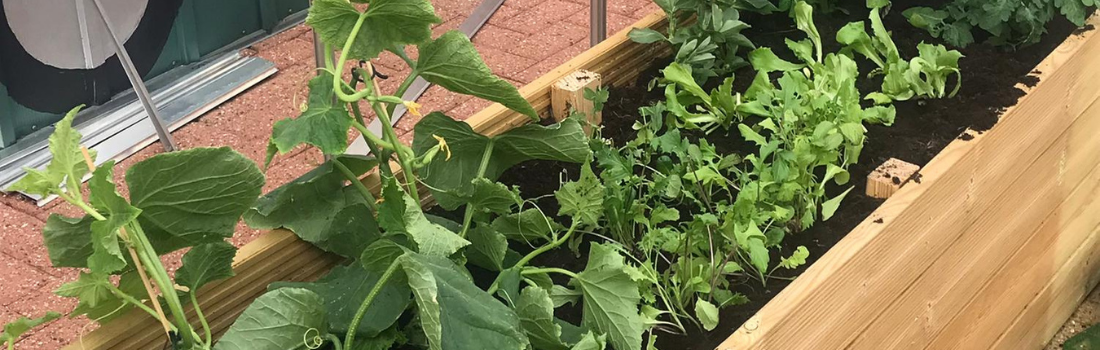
(598, 21)
(132, 74)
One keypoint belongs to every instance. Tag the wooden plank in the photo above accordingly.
(280, 255)
(1007, 294)
(876, 263)
(952, 280)
(1056, 302)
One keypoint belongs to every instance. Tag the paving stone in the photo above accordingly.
(506, 12)
(615, 21)
(544, 66)
(551, 41)
(543, 17)
(503, 63)
(20, 280)
(495, 36)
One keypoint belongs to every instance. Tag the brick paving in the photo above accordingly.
(523, 40)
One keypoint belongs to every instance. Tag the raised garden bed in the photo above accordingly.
(987, 248)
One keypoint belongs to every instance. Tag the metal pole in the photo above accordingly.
(598, 22)
(139, 86)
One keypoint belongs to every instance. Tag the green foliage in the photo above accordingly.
(610, 298)
(1086, 340)
(205, 263)
(386, 25)
(454, 312)
(925, 76)
(451, 61)
(324, 124)
(1008, 22)
(285, 318)
(710, 45)
(343, 288)
(451, 176)
(191, 198)
(16, 328)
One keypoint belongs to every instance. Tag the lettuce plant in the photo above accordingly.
(925, 76)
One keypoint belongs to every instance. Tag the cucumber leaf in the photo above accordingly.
(16, 328)
(536, 315)
(451, 61)
(610, 298)
(67, 163)
(320, 209)
(345, 287)
(582, 199)
(454, 312)
(278, 320)
(324, 124)
(107, 254)
(68, 240)
(193, 196)
(205, 263)
(388, 24)
(451, 178)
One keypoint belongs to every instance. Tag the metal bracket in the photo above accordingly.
(139, 85)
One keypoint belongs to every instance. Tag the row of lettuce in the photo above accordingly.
(671, 225)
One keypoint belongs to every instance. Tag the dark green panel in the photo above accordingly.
(220, 22)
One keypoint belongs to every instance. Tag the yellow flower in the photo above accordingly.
(443, 145)
(413, 108)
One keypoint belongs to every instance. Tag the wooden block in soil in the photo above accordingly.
(889, 177)
(567, 95)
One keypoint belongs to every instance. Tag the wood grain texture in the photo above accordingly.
(888, 272)
(280, 256)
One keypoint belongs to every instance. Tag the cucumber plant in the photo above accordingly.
(187, 199)
(408, 280)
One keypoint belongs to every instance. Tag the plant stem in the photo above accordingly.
(402, 88)
(338, 69)
(358, 125)
(160, 277)
(549, 270)
(363, 190)
(354, 326)
(130, 299)
(526, 259)
(202, 319)
(486, 156)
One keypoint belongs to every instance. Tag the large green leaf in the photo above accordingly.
(107, 254)
(536, 315)
(194, 196)
(431, 239)
(764, 60)
(389, 24)
(449, 178)
(16, 328)
(320, 209)
(487, 248)
(582, 199)
(67, 162)
(324, 124)
(345, 287)
(278, 320)
(205, 263)
(455, 313)
(610, 298)
(451, 61)
(68, 240)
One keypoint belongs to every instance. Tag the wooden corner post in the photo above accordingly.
(568, 95)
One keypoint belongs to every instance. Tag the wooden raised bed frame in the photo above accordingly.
(994, 247)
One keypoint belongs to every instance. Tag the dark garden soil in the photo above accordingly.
(922, 129)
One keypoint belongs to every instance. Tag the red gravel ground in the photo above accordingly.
(523, 40)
